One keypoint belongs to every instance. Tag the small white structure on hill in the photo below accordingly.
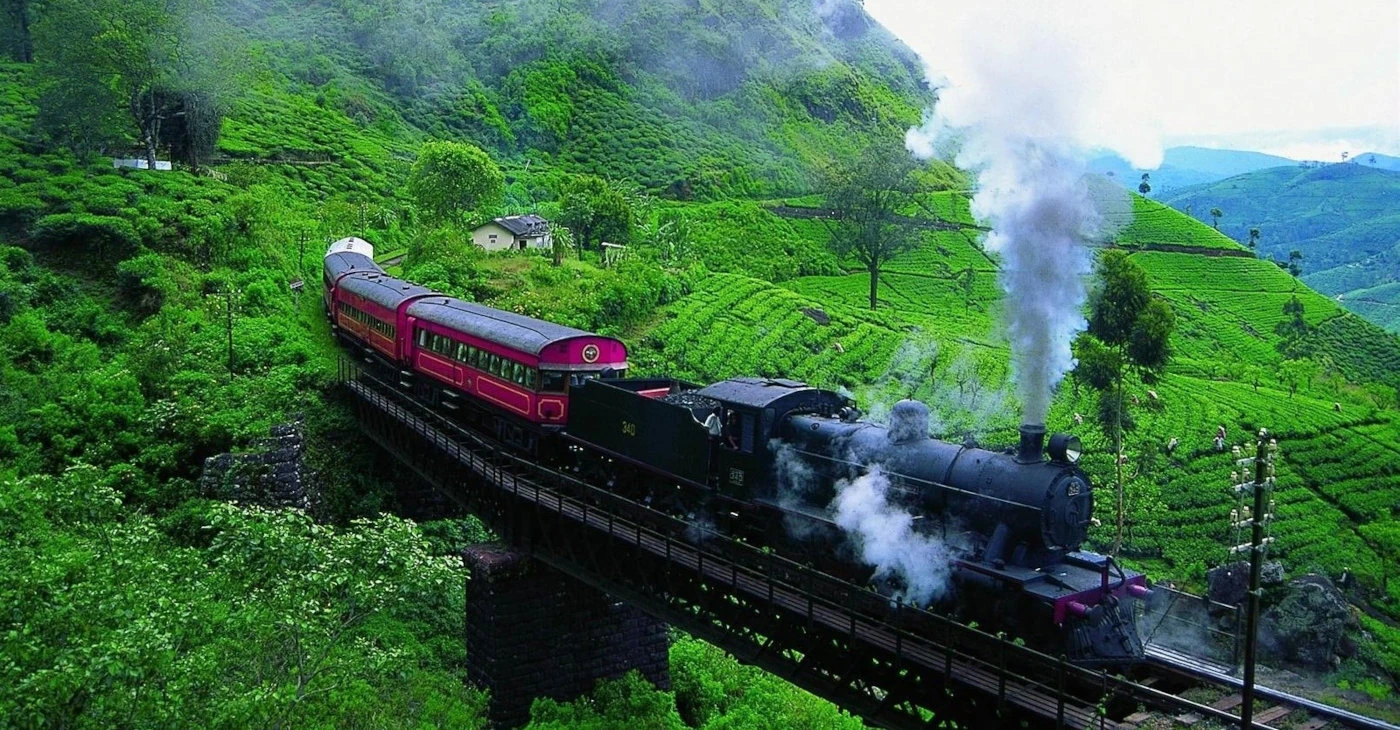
(514, 231)
(138, 164)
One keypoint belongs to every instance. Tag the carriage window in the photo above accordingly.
(461, 355)
(531, 377)
(422, 338)
(518, 373)
(552, 381)
(495, 367)
(577, 379)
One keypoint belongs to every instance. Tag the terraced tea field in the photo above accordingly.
(1150, 222)
(735, 325)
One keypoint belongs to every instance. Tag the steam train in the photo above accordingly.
(762, 458)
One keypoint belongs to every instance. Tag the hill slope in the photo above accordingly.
(692, 98)
(1344, 219)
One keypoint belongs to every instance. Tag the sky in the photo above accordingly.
(1303, 79)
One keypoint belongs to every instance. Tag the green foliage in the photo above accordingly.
(102, 237)
(628, 701)
(235, 617)
(743, 237)
(1335, 216)
(867, 194)
(154, 60)
(596, 212)
(714, 691)
(445, 260)
(454, 182)
(734, 325)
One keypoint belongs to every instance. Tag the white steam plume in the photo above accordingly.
(1014, 119)
(884, 536)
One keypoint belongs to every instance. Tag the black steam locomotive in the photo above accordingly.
(1012, 522)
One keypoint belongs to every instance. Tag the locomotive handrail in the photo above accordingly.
(858, 611)
(930, 482)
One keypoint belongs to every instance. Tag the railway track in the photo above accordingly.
(1301, 713)
(1047, 690)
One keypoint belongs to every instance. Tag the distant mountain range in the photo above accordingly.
(1344, 218)
(1185, 166)
(1375, 159)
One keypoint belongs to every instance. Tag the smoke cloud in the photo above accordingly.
(1013, 119)
(915, 565)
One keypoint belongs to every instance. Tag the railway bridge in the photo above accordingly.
(894, 665)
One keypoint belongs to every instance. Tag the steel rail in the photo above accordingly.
(1173, 660)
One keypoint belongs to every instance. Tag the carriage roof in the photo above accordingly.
(386, 291)
(516, 331)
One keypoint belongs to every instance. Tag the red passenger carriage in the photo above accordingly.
(507, 370)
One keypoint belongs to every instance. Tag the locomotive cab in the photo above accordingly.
(754, 410)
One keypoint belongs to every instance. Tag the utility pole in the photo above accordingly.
(228, 298)
(1257, 518)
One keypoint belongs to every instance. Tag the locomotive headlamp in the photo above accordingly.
(1067, 448)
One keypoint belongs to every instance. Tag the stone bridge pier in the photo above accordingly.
(532, 631)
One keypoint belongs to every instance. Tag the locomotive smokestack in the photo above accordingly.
(1032, 443)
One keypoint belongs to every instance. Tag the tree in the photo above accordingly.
(1293, 329)
(1144, 187)
(595, 211)
(14, 31)
(561, 239)
(866, 196)
(1129, 334)
(1215, 214)
(453, 181)
(1297, 373)
(1295, 262)
(1253, 238)
(151, 58)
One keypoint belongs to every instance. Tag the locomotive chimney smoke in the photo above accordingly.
(908, 422)
(1032, 443)
(1014, 117)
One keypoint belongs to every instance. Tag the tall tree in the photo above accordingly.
(1129, 334)
(453, 181)
(100, 59)
(14, 31)
(1215, 214)
(596, 211)
(1253, 238)
(1145, 187)
(1295, 262)
(867, 195)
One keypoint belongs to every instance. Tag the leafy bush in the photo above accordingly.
(107, 237)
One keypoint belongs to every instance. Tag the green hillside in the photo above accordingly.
(147, 322)
(1342, 218)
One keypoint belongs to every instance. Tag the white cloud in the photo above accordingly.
(1279, 76)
